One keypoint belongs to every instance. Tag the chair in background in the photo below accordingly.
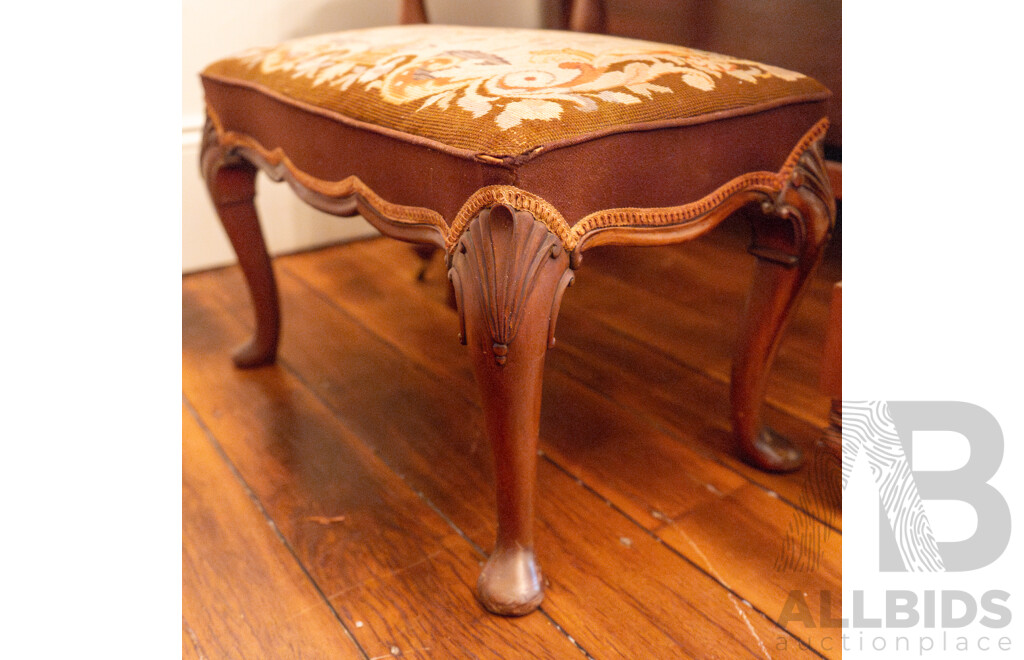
(832, 373)
(805, 36)
(515, 151)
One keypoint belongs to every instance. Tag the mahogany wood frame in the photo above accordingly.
(511, 257)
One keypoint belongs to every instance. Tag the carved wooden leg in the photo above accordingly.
(788, 243)
(509, 273)
(232, 186)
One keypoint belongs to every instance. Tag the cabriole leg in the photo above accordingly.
(509, 272)
(788, 244)
(232, 186)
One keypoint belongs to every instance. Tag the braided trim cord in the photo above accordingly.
(767, 182)
(538, 207)
(346, 187)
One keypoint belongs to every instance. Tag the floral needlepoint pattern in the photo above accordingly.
(506, 91)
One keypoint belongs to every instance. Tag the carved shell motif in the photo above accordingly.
(504, 251)
(807, 184)
(805, 206)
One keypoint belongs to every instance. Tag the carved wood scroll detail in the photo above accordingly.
(802, 212)
(511, 197)
(510, 261)
(212, 156)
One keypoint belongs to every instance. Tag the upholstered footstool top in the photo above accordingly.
(508, 92)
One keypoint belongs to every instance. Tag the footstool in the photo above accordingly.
(515, 151)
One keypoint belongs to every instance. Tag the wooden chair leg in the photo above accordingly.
(788, 243)
(425, 253)
(832, 373)
(508, 273)
(232, 186)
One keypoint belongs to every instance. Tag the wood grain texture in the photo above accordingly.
(691, 307)
(190, 649)
(507, 273)
(446, 459)
(578, 423)
(635, 441)
(740, 540)
(355, 525)
(243, 593)
(789, 242)
(681, 400)
(638, 467)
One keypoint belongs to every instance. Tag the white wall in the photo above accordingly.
(212, 29)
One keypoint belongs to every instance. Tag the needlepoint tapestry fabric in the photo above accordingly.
(507, 92)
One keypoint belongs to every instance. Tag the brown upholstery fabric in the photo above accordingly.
(665, 167)
(398, 170)
(668, 162)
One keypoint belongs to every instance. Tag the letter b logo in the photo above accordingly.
(883, 431)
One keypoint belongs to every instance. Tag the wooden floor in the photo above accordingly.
(339, 503)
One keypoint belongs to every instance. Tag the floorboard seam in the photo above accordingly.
(673, 433)
(657, 538)
(710, 374)
(426, 500)
(212, 438)
(646, 417)
(431, 374)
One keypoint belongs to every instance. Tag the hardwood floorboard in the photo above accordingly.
(678, 398)
(639, 487)
(190, 649)
(446, 457)
(690, 297)
(355, 525)
(243, 593)
(699, 335)
(710, 275)
(632, 464)
(575, 422)
(741, 541)
(687, 406)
